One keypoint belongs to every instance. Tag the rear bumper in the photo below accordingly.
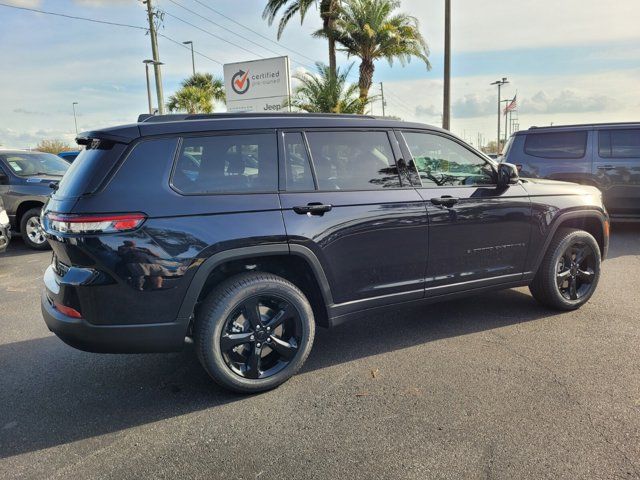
(83, 335)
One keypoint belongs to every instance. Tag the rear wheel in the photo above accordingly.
(32, 231)
(569, 272)
(253, 332)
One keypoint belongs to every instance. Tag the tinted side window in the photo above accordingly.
(88, 171)
(299, 176)
(353, 160)
(227, 164)
(443, 162)
(556, 144)
(619, 143)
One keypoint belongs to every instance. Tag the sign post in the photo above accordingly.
(258, 86)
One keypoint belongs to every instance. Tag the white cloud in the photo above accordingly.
(500, 25)
(602, 97)
(566, 101)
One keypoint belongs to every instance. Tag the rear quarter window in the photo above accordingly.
(619, 143)
(88, 171)
(556, 144)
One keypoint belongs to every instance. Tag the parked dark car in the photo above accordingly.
(5, 228)
(69, 156)
(244, 232)
(606, 156)
(25, 179)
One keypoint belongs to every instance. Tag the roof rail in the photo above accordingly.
(176, 117)
(584, 125)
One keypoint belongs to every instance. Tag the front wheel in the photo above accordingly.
(253, 332)
(569, 272)
(32, 231)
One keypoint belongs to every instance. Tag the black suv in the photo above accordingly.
(244, 232)
(24, 188)
(605, 155)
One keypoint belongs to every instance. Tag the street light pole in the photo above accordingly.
(193, 58)
(499, 83)
(446, 107)
(75, 121)
(146, 70)
(384, 104)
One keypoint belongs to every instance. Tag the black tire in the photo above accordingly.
(33, 237)
(562, 283)
(226, 312)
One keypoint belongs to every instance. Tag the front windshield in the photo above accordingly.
(27, 164)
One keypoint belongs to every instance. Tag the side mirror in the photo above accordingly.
(3, 178)
(507, 174)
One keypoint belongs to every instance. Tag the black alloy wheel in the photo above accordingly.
(254, 331)
(569, 271)
(576, 271)
(261, 337)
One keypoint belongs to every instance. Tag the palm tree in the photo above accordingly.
(371, 30)
(197, 94)
(326, 93)
(328, 12)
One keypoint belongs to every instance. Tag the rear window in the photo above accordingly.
(556, 144)
(619, 143)
(88, 170)
(239, 163)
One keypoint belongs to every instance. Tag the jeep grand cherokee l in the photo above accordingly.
(244, 232)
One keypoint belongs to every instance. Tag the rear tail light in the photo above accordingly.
(68, 311)
(100, 223)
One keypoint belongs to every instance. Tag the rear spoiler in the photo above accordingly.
(105, 139)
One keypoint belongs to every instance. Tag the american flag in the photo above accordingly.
(512, 105)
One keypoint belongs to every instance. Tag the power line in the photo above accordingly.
(73, 17)
(105, 22)
(230, 31)
(255, 33)
(219, 26)
(188, 48)
(211, 34)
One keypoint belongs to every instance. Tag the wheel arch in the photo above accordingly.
(592, 221)
(24, 207)
(295, 263)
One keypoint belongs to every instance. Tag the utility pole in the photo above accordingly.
(384, 104)
(499, 83)
(156, 56)
(193, 58)
(446, 107)
(75, 121)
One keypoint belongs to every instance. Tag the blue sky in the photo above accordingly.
(569, 61)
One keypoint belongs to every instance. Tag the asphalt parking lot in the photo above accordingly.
(487, 387)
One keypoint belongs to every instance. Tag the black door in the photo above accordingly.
(617, 168)
(478, 234)
(349, 207)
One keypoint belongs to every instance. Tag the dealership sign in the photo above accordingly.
(258, 86)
